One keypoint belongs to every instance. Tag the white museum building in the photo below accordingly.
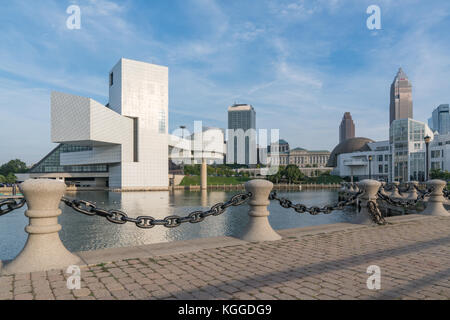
(121, 145)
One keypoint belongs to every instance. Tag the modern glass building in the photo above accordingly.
(241, 145)
(51, 163)
(401, 106)
(408, 150)
(440, 119)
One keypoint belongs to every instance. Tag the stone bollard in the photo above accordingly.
(44, 249)
(412, 190)
(395, 193)
(258, 227)
(370, 189)
(383, 185)
(434, 205)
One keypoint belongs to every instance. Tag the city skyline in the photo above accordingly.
(297, 78)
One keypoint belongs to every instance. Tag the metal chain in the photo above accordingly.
(314, 210)
(404, 202)
(11, 204)
(147, 222)
(375, 213)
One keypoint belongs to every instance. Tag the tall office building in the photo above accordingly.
(241, 143)
(440, 119)
(401, 97)
(346, 128)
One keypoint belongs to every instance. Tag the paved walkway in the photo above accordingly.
(309, 263)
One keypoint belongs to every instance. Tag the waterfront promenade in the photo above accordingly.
(322, 262)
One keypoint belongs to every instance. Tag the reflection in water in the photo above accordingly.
(80, 232)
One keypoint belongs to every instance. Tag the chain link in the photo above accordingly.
(148, 222)
(11, 204)
(404, 202)
(375, 213)
(314, 210)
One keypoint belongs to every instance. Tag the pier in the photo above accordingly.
(321, 262)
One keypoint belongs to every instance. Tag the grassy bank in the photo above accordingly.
(195, 180)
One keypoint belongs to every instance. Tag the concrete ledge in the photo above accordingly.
(406, 218)
(327, 228)
(156, 249)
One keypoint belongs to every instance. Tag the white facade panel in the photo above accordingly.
(70, 118)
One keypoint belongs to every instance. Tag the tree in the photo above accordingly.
(439, 174)
(2, 179)
(292, 173)
(13, 166)
(11, 178)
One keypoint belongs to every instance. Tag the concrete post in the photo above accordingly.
(395, 193)
(412, 190)
(434, 205)
(204, 175)
(44, 249)
(350, 187)
(370, 189)
(258, 227)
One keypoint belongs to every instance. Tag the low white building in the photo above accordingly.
(440, 152)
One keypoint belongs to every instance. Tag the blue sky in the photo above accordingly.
(301, 64)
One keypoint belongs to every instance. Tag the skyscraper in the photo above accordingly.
(401, 97)
(241, 144)
(440, 119)
(346, 128)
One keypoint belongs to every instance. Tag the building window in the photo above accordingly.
(380, 168)
(111, 79)
(380, 158)
(135, 140)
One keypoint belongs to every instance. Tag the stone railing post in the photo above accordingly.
(382, 186)
(43, 250)
(412, 190)
(258, 227)
(434, 205)
(395, 193)
(370, 189)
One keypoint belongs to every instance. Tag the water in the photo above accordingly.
(82, 233)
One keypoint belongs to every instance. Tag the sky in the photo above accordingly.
(300, 63)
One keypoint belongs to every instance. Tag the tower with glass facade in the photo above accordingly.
(440, 119)
(241, 143)
(401, 106)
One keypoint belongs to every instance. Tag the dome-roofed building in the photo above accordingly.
(348, 146)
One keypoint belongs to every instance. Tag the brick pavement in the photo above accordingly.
(414, 258)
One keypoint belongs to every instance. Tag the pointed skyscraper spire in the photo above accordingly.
(401, 97)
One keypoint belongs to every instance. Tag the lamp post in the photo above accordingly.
(427, 143)
(182, 137)
(370, 166)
